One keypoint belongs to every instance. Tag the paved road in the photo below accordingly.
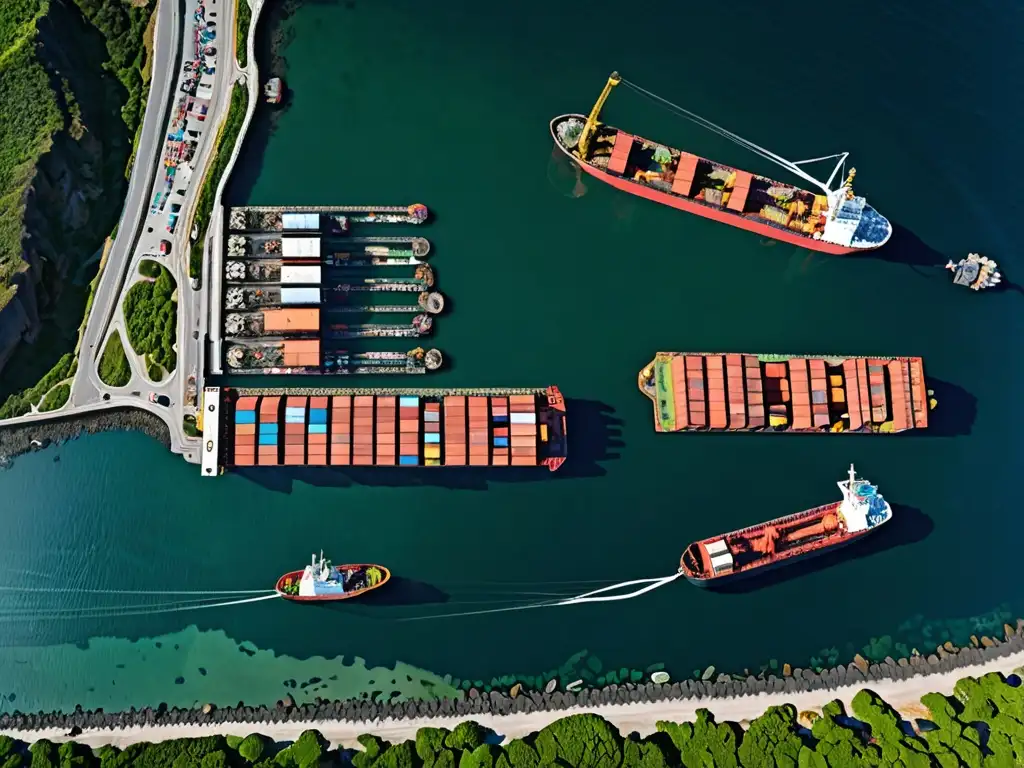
(141, 232)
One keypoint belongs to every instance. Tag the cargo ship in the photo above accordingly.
(830, 220)
(406, 428)
(710, 392)
(787, 539)
(321, 581)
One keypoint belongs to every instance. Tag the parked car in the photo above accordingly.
(163, 400)
(165, 247)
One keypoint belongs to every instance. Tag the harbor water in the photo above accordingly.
(554, 279)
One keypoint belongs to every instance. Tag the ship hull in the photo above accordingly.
(297, 575)
(707, 212)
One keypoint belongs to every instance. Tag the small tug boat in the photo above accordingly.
(320, 580)
(273, 91)
(805, 534)
(977, 272)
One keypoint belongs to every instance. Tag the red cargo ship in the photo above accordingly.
(805, 534)
(833, 221)
(707, 392)
(320, 581)
(477, 428)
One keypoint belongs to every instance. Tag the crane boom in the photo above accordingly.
(583, 147)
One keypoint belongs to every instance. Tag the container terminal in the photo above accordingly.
(383, 427)
(296, 282)
(712, 392)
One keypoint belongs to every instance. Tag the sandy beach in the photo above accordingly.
(904, 695)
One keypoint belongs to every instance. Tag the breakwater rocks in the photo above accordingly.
(21, 438)
(946, 658)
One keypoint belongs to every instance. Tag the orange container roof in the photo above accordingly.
(620, 152)
(293, 320)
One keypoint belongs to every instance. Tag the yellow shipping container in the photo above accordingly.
(836, 380)
(432, 451)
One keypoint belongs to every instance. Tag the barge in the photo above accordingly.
(320, 581)
(760, 548)
(321, 218)
(830, 220)
(395, 427)
(275, 357)
(713, 392)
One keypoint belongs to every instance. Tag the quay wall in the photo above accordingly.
(988, 655)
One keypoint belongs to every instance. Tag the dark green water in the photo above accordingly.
(395, 102)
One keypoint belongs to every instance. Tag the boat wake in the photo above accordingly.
(601, 595)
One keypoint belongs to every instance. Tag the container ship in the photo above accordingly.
(320, 581)
(710, 392)
(787, 539)
(406, 428)
(830, 220)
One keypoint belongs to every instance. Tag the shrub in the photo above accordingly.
(155, 372)
(242, 20)
(56, 398)
(149, 268)
(771, 740)
(251, 747)
(114, 369)
(151, 318)
(582, 741)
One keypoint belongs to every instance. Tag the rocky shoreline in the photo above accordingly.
(23, 438)
(945, 658)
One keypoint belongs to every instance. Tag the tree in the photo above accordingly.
(582, 741)
(307, 751)
(466, 736)
(897, 747)
(771, 740)
(952, 743)
(704, 743)
(251, 747)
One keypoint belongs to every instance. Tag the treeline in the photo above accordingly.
(151, 318)
(21, 403)
(980, 726)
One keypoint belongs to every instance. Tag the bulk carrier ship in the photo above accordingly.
(830, 221)
(703, 391)
(805, 534)
(405, 428)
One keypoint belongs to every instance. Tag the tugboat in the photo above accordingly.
(320, 580)
(805, 534)
(273, 91)
(977, 272)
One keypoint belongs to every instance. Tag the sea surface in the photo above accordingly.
(552, 279)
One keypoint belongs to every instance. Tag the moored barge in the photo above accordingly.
(712, 392)
(400, 427)
(785, 540)
(829, 221)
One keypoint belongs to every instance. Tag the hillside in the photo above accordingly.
(73, 75)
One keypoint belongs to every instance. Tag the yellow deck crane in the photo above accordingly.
(583, 146)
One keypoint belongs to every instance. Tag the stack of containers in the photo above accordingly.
(755, 391)
(499, 431)
(432, 434)
(853, 394)
(386, 430)
(899, 384)
(819, 394)
(682, 414)
(341, 430)
(316, 441)
(695, 390)
(268, 435)
(294, 430)
(876, 385)
(245, 432)
(801, 393)
(716, 392)
(737, 402)
(362, 431)
(455, 430)
(479, 454)
(523, 423)
(408, 430)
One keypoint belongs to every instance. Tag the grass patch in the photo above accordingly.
(226, 138)
(56, 398)
(188, 424)
(114, 369)
(155, 372)
(149, 268)
(152, 318)
(21, 403)
(243, 18)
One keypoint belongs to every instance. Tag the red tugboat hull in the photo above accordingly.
(296, 576)
(708, 212)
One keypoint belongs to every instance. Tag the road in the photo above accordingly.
(140, 232)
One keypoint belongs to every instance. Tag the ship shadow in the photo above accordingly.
(904, 247)
(398, 591)
(909, 525)
(594, 437)
(955, 410)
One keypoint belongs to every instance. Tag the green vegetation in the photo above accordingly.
(114, 369)
(188, 424)
(152, 317)
(242, 21)
(21, 403)
(149, 268)
(226, 138)
(877, 738)
(56, 398)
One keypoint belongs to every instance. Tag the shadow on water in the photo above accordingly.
(904, 247)
(955, 411)
(909, 525)
(595, 436)
(398, 591)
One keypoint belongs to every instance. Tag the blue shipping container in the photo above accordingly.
(431, 437)
(500, 419)
(266, 429)
(318, 416)
(407, 401)
(294, 419)
(318, 429)
(407, 460)
(245, 417)
(501, 442)
(268, 439)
